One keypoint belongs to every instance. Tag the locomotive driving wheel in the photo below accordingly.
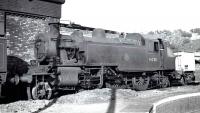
(100, 74)
(140, 83)
(41, 91)
(164, 82)
(182, 81)
(189, 78)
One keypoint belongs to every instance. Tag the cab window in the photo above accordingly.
(156, 47)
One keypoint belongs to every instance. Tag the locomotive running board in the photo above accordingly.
(81, 65)
(70, 65)
(195, 83)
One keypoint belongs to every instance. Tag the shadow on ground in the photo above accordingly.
(112, 103)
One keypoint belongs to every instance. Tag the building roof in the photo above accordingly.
(55, 1)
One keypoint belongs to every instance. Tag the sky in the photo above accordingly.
(133, 15)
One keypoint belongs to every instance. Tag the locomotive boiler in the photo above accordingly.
(74, 62)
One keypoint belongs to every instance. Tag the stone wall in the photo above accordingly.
(187, 103)
(21, 32)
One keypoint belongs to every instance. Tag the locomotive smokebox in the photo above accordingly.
(45, 47)
(68, 76)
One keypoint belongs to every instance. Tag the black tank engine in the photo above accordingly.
(74, 62)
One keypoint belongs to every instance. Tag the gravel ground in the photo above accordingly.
(85, 97)
(96, 95)
(23, 106)
(98, 100)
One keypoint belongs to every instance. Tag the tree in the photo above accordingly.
(195, 30)
(185, 41)
(179, 40)
(184, 33)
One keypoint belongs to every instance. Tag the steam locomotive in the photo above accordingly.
(75, 62)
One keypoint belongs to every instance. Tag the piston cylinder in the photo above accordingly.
(68, 76)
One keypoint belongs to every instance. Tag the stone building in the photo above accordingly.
(22, 20)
